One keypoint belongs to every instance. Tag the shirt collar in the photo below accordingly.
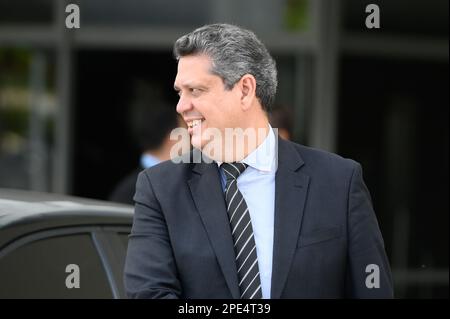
(148, 160)
(263, 158)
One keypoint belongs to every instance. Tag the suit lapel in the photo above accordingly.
(207, 193)
(291, 188)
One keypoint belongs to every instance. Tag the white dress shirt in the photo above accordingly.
(257, 185)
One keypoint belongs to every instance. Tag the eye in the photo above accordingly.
(195, 91)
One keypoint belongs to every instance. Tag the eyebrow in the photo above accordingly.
(190, 84)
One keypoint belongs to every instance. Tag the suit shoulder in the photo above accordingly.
(167, 170)
(318, 158)
(123, 192)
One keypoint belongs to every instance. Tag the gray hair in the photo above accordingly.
(234, 52)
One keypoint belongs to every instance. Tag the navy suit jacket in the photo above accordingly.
(325, 232)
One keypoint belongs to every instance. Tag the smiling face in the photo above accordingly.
(204, 101)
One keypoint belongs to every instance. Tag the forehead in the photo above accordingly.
(194, 69)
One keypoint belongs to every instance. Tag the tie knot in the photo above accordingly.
(233, 170)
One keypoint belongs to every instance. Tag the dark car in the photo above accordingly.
(54, 246)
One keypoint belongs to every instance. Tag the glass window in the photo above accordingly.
(395, 123)
(259, 15)
(293, 94)
(411, 18)
(34, 12)
(268, 16)
(27, 114)
(38, 269)
(134, 13)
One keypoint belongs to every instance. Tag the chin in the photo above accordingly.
(197, 142)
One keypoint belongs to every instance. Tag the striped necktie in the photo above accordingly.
(242, 232)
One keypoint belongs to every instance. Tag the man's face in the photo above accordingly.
(204, 102)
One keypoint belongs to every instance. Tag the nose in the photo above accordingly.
(184, 105)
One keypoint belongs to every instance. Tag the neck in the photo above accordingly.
(245, 140)
(262, 130)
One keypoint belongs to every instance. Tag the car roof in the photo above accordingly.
(33, 196)
(23, 212)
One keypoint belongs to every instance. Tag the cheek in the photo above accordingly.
(231, 114)
(219, 112)
(212, 110)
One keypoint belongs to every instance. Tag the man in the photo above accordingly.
(268, 222)
(282, 118)
(152, 121)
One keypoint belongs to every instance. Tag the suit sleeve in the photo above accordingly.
(150, 269)
(369, 274)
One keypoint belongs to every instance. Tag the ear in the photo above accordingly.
(247, 86)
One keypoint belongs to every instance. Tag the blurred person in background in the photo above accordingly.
(282, 118)
(152, 120)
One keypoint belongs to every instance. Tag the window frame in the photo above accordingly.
(105, 240)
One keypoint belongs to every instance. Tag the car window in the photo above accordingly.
(38, 270)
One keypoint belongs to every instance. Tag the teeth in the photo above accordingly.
(194, 123)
